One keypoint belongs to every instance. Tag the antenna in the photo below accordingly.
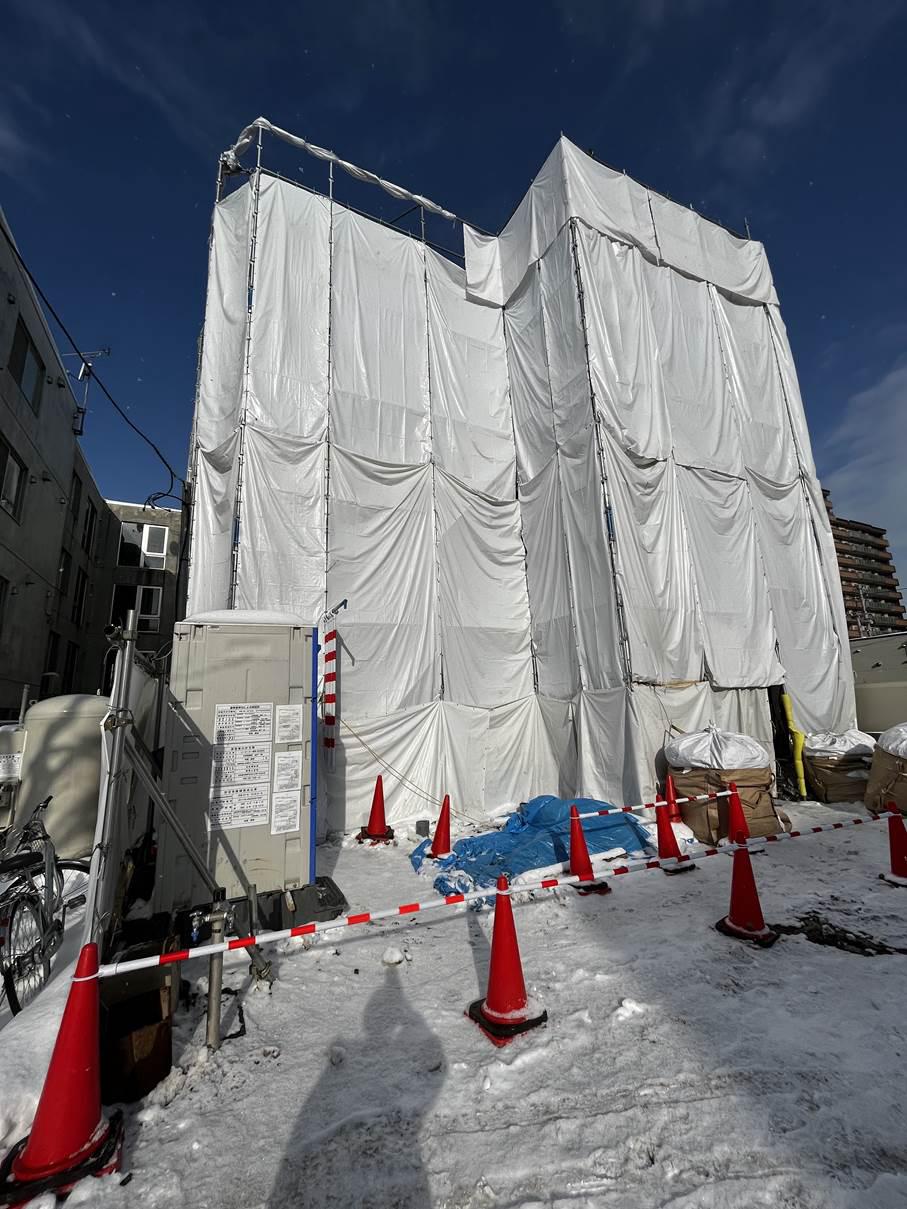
(84, 375)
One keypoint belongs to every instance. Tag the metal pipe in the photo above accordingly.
(215, 976)
(313, 778)
(151, 786)
(116, 720)
(145, 772)
(23, 704)
(50, 881)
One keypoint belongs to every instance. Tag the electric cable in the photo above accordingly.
(174, 477)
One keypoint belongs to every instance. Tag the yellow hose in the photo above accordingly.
(797, 740)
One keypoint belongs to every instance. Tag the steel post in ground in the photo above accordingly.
(115, 721)
(215, 975)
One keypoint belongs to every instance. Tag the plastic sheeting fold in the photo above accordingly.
(214, 497)
(550, 587)
(222, 366)
(759, 402)
(623, 351)
(471, 425)
(738, 627)
(477, 756)
(810, 647)
(655, 569)
(281, 564)
(704, 428)
(381, 558)
(571, 184)
(288, 352)
(484, 601)
(530, 388)
(379, 342)
(704, 250)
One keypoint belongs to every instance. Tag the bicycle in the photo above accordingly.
(34, 899)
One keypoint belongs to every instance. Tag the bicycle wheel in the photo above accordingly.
(74, 878)
(38, 845)
(26, 969)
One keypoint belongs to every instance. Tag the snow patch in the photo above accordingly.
(627, 1009)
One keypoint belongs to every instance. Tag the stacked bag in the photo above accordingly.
(888, 774)
(708, 761)
(837, 765)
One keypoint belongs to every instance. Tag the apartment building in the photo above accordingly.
(872, 595)
(54, 524)
(144, 557)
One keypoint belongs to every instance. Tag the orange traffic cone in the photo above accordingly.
(736, 819)
(674, 813)
(377, 831)
(440, 845)
(70, 1137)
(504, 1012)
(897, 844)
(667, 841)
(744, 921)
(580, 865)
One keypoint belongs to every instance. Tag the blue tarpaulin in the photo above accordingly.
(534, 837)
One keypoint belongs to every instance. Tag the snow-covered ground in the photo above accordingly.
(678, 1067)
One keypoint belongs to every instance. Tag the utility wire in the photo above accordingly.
(174, 477)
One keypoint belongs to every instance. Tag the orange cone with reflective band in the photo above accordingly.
(668, 848)
(440, 845)
(736, 819)
(580, 865)
(897, 843)
(504, 1012)
(745, 921)
(70, 1137)
(377, 831)
(671, 797)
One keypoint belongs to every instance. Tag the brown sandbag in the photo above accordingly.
(829, 777)
(708, 820)
(887, 782)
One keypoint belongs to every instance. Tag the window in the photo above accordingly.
(143, 545)
(78, 597)
(145, 601)
(63, 573)
(26, 366)
(69, 667)
(88, 527)
(75, 496)
(53, 652)
(12, 481)
(154, 546)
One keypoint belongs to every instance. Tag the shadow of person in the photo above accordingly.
(481, 949)
(356, 1138)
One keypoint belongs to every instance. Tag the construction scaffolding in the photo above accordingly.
(567, 492)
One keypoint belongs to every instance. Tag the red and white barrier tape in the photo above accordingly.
(546, 883)
(699, 797)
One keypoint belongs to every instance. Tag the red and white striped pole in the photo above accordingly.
(329, 702)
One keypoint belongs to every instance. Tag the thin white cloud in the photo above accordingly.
(776, 85)
(864, 460)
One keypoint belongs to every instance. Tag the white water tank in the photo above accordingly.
(63, 757)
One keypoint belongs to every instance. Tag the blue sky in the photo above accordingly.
(792, 115)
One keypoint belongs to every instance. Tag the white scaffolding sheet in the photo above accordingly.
(565, 526)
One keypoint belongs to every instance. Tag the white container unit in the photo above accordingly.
(238, 755)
